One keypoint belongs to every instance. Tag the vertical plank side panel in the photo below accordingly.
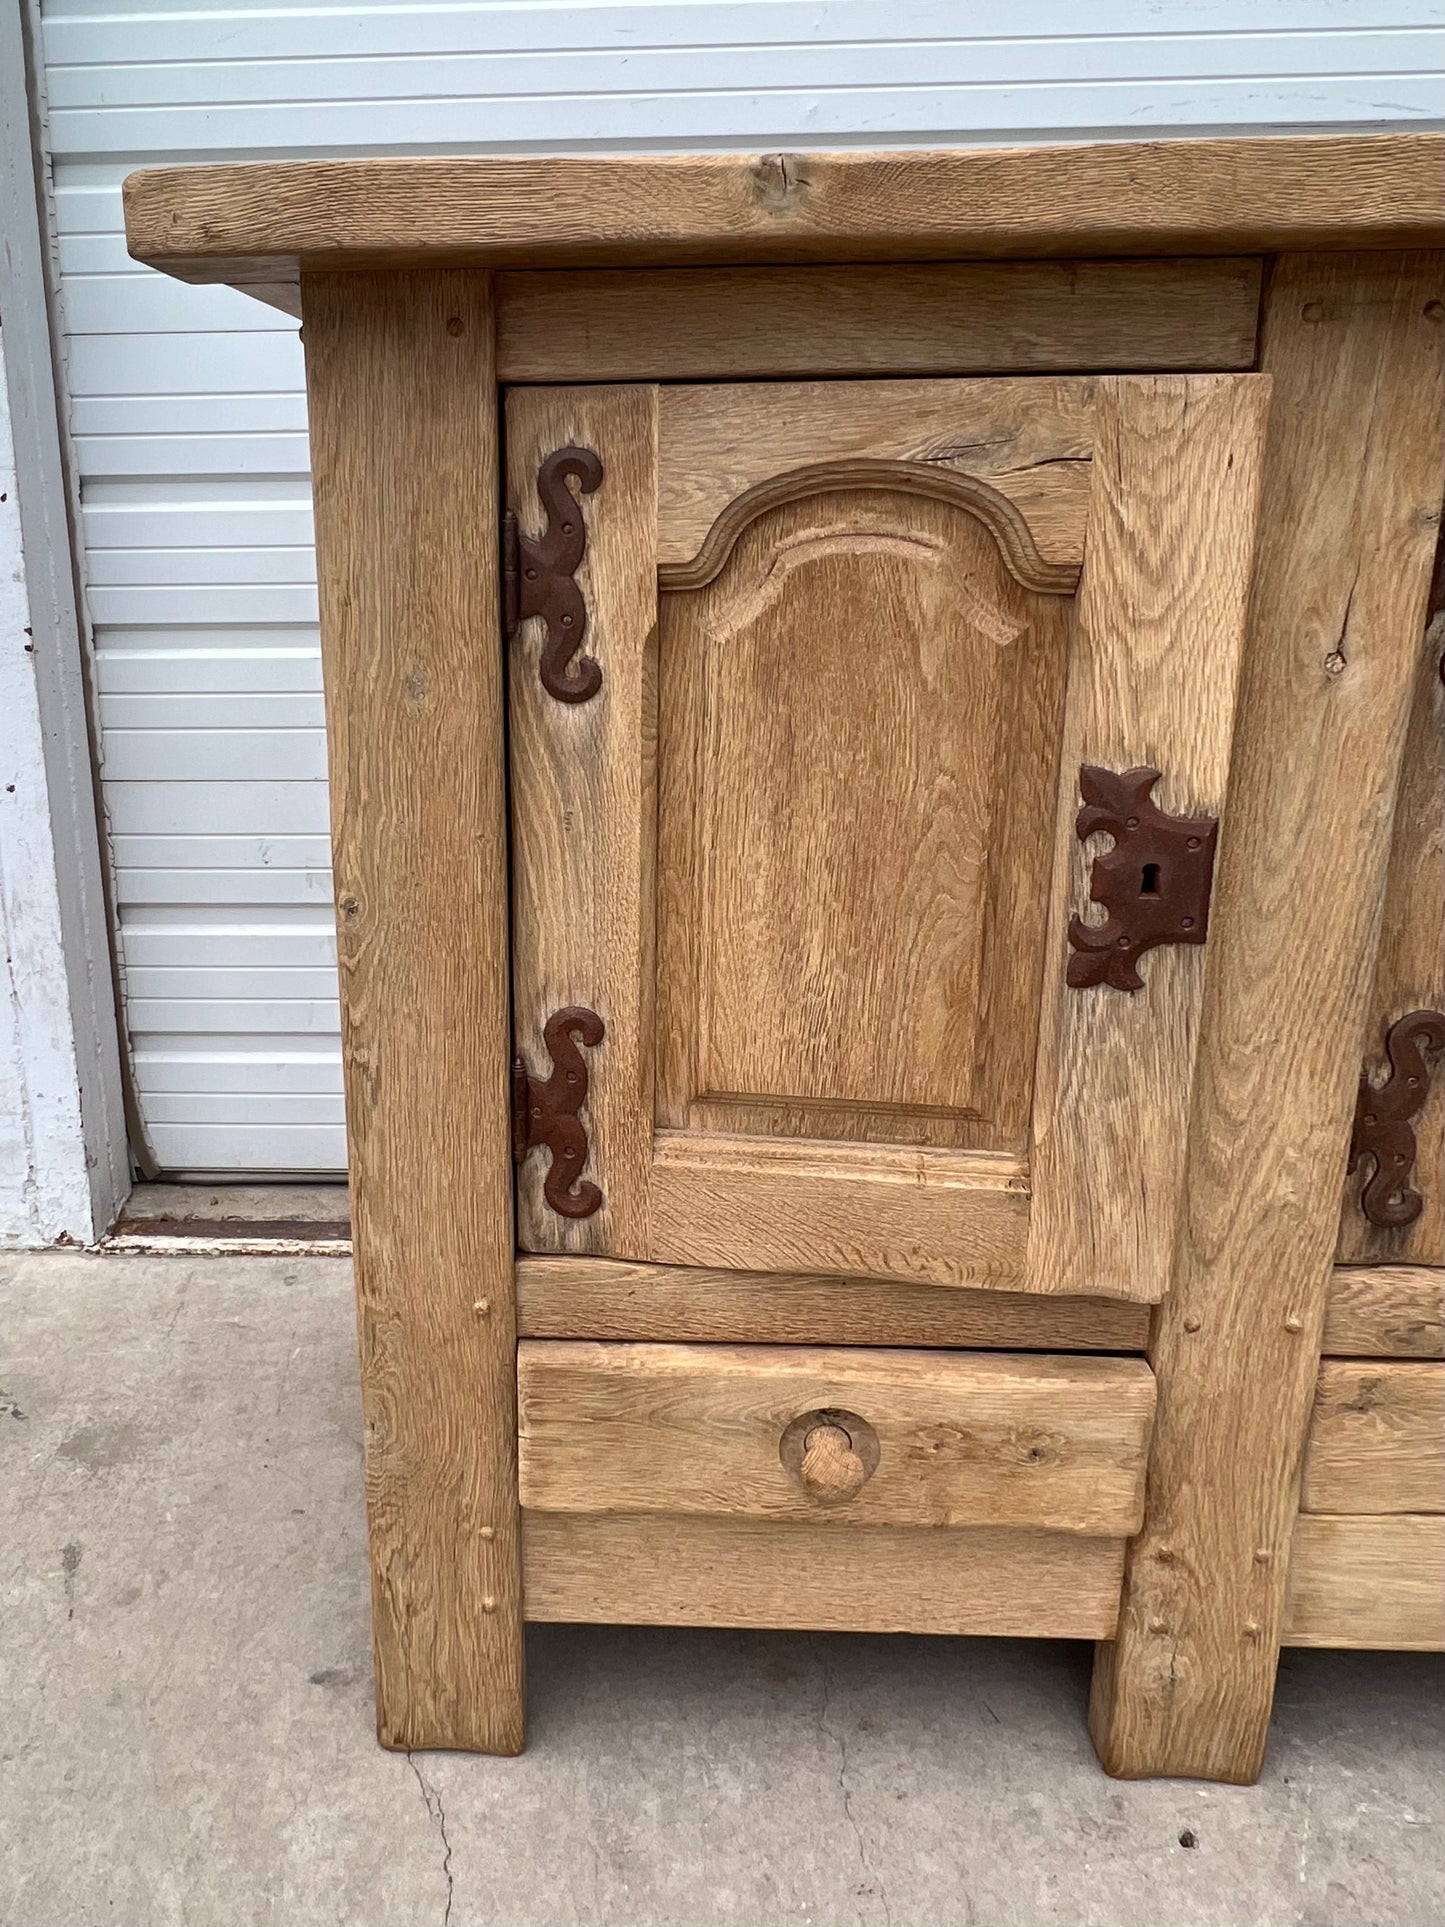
(1351, 503)
(583, 810)
(404, 448)
(1159, 629)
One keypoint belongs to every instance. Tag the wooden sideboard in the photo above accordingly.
(885, 742)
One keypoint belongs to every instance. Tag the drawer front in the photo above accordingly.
(901, 1438)
(1367, 1582)
(1377, 1439)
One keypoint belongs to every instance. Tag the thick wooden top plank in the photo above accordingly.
(260, 224)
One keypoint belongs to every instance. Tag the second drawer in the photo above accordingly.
(865, 1436)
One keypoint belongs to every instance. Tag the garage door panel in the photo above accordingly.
(172, 809)
(259, 1148)
(225, 1064)
(217, 754)
(273, 981)
(240, 661)
(195, 1017)
(187, 415)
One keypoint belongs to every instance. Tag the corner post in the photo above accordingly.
(1351, 504)
(403, 405)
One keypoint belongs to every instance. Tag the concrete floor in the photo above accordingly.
(186, 1699)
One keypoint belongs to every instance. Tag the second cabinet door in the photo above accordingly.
(805, 841)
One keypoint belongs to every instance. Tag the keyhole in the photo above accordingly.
(1149, 887)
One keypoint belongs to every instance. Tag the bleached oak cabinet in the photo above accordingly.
(885, 754)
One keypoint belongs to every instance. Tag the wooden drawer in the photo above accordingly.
(1377, 1439)
(865, 1437)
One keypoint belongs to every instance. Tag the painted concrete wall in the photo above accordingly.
(45, 1186)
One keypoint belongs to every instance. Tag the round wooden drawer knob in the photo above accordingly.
(831, 1455)
(830, 1468)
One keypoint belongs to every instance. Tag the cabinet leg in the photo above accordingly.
(401, 381)
(1352, 493)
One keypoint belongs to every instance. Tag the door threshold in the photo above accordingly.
(196, 1220)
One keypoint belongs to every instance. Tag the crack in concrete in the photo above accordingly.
(871, 1880)
(437, 1814)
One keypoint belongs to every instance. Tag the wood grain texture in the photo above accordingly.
(843, 958)
(404, 450)
(1384, 1311)
(240, 223)
(1376, 1440)
(1018, 550)
(1159, 635)
(1410, 967)
(1030, 440)
(583, 809)
(634, 1570)
(952, 1218)
(1364, 1582)
(981, 1439)
(1351, 500)
(794, 1158)
(694, 324)
(608, 1299)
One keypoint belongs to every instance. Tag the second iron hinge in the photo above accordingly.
(546, 1111)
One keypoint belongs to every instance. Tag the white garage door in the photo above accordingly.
(187, 413)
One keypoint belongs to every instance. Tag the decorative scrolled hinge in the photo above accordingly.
(545, 1110)
(539, 574)
(1384, 1119)
(1154, 882)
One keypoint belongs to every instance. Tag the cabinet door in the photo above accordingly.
(810, 851)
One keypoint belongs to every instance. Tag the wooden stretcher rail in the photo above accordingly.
(1354, 1582)
(1374, 1311)
(941, 318)
(633, 1570)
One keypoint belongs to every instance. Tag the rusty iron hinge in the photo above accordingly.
(1384, 1119)
(1154, 882)
(545, 1110)
(539, 574)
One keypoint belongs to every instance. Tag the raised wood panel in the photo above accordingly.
(1376, 1440)
(1385, 1311)
(1159, 636)
(406, 506)
(1366, 1582)
(1351, 493)
(1029, 440)
(859, 728)
(1410, 964)
(608, 1299)
(635, 1570)
(963, 1440)
(1240, 195)
(966, 317)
